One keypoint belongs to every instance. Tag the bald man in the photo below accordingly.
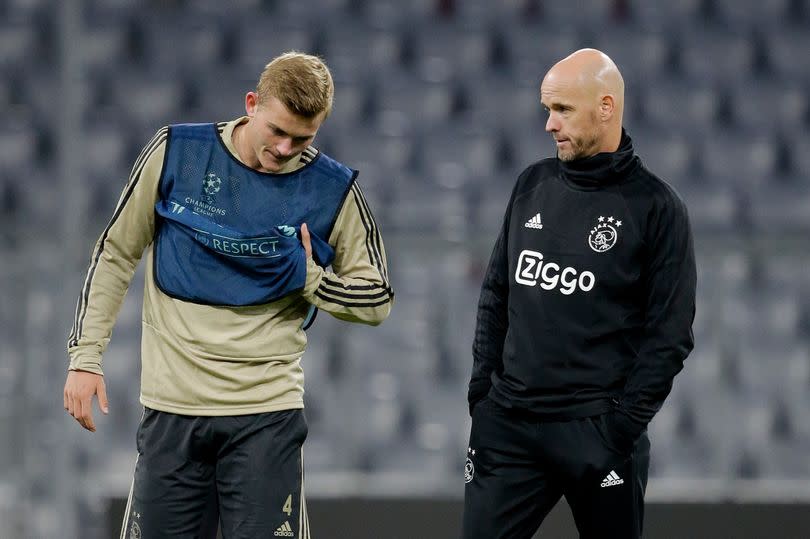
(585, 318)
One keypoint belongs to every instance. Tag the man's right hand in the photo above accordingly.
(80, 387)
(306, 240)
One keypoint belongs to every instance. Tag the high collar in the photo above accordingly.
(604, 168)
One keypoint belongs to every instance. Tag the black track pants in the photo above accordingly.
(518, 468)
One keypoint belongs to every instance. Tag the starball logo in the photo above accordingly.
(206, 205)
(532, 268)
(211, 185)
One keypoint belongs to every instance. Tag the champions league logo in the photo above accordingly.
(206, 205)
(605, 234)
(210, 187)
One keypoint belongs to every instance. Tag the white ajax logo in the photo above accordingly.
(605, 234)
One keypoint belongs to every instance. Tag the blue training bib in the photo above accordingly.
(228, 234)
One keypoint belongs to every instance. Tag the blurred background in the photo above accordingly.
(437, 105)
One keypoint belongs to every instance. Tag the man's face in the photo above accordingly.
(275, 135)
(572, 119)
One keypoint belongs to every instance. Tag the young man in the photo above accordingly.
(585, 318)
(241, 220)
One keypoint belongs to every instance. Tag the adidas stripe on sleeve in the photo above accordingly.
(115, 257)
(358, 289)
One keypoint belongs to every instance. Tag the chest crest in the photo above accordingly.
(605, 233)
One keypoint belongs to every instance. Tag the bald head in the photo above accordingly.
(584, 94)
(591, 71)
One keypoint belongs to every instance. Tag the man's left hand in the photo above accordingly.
(306, 240)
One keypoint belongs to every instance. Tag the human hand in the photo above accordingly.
(622, 431)
(305, 239)
(80, 387)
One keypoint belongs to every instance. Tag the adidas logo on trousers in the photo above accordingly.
(612, 479)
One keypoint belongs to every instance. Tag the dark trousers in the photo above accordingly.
(246, 470)
(518, 468)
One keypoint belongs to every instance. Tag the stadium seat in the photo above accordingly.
(742, 158)
(531, 54)
(719, 440)
(406, 104)
(388, 13)
(677, 14)
(473, 153)
(679, 104)
(505, 104)
(588, 14)
(18, 144)
(17, 43)
(223, 98)
(149, 102)
(712, 56)
(763, 15)
(470, 13)
(26, 9)
(712, 207)
(221, 10)
(357, 53)
(641, 55)
(106, 152)
(107, 44)
(191, 44)
(770, 106)
(799, 153)
(441, 50)
(275, 37)
(668, 154)
(326, 10)
(782, 207)
(782, 50)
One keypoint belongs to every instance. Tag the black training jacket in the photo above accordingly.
(589, 297)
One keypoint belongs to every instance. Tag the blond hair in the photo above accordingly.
(300, 81)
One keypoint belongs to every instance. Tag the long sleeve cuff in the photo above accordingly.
(88, 363)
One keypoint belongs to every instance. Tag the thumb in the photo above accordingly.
(102, 397)
(305, 239)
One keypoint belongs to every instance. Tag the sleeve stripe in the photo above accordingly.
(360, 295)
(338, 284)
(346, 304)
(81, 305)
(375, 231)
(371, 257)
(372, 234)
(331, 286)
(378, 293)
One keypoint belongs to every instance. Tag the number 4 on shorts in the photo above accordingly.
(288, 505)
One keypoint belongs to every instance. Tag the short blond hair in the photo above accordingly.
(301, 82)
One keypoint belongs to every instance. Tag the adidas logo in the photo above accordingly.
(285, 530)
(612, 479)
(534, 222)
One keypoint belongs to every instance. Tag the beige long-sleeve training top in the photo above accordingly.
(213, 360)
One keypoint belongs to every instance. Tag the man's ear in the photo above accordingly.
(606, 107)
(251, 103)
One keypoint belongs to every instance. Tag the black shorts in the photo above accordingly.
(518, 468)
(244, 471)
